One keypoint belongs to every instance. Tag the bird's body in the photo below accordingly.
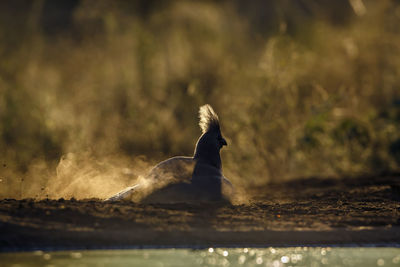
(187, 179)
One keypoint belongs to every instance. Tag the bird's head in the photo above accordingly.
(211, 141)
(221, 141)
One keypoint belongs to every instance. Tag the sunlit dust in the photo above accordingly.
(92, 99)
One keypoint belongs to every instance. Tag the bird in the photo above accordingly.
(198, 178)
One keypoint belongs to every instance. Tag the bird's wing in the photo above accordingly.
(176, 169)
(227, 188)
(173, 170)
(124, 194)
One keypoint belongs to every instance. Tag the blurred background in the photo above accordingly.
(92, 93)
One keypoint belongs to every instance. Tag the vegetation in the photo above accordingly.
(302, 88)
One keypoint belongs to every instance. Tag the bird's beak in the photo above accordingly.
(223, 142)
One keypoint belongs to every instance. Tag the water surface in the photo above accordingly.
(293, 256)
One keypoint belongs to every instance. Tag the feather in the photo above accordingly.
(124, 193)
(187, 179)
(208, 119)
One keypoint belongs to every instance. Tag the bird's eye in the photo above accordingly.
(222, 141)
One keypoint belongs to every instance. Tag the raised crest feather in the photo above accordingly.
(208, 119)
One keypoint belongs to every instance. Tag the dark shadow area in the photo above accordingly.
(360, 211)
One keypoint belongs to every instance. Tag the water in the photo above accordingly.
(275, 257)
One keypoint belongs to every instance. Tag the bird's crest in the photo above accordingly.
(208, 119)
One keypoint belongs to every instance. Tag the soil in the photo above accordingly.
(352, 211)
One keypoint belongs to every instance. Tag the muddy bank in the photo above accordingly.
(358, 211)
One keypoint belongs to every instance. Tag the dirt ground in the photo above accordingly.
(353, 211)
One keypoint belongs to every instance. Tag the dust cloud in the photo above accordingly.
(76, 175)
(86, 176)
(82, 176)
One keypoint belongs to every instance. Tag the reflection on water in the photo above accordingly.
(275, 257)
